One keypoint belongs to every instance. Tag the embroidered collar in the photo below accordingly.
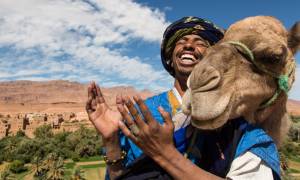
(177, 95)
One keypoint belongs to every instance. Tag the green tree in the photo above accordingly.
(20, 133)
(10, 145)
(294, 132)
(43, 132)
(7, 175)
(85, 142)
(37, 168)
(17, 166)
(55, 167)
(78, 174)
(26, 150)
(60, 142)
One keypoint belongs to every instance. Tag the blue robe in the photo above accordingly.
(253, 139)
(168, 102)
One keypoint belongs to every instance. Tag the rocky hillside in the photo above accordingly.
(29, 95)
(22, 96)
(294, 107)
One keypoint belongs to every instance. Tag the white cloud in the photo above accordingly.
(70, 39)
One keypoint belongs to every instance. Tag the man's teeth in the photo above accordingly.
(188, 57)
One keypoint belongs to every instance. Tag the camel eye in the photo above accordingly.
(273, 55)
(270, 59)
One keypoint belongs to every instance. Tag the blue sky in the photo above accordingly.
(114, 42)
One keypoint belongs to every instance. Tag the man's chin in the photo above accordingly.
(185, 72)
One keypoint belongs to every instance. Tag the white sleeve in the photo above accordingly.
(249, 166)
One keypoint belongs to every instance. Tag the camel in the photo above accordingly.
(247, 74)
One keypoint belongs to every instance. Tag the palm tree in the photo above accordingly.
(55, 167)
(7, 175)
(78, 174)
(10, 148)
(37, 166)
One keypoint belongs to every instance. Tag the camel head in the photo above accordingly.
(247, 74)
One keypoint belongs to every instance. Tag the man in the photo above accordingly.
(183, 46)
(237, 150)
(184, 43)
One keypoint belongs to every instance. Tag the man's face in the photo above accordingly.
(187, 53)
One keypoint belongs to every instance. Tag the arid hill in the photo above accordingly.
(53, 96)
(27, 105)
(66, 96)
(294, 107)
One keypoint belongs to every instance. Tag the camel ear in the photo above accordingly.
(294, 38)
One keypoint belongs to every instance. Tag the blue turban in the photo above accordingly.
(185, 26)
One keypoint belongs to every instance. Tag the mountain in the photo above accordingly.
(54, 96)
(67, 96)
(293, 107)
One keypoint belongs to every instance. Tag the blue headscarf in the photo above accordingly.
(185, 26)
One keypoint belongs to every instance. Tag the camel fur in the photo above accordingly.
(226, 85)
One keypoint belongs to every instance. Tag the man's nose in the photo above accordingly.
(189, 46)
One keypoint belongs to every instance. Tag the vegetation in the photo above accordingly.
(76, 155)
(82, 143)
(290, 151)
(7, 175)
(294, 132)
(45, 154)
(78, 174)
(17, 166)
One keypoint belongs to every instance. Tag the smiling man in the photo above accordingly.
(187, 53)
(184, 43)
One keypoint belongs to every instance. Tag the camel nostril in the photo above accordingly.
(205, 78)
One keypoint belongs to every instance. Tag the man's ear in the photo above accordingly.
(294, 38)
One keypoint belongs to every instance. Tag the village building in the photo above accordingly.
(28, 122)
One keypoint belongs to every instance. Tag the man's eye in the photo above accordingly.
(180, 42)
(201, 44)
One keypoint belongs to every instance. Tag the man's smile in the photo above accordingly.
(188, 58)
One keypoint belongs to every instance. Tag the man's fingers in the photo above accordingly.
(129, 121)
(127, 132)
(124, 113)
(94, 104)
(99, 95)
(90, 93)
(88, 106)
(144, 110)
(119, 100)
(166, 116)
(134, 112)
(94, 91)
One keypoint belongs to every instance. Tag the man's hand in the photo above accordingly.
(100, 114)
(154, 139)
(157, 141)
